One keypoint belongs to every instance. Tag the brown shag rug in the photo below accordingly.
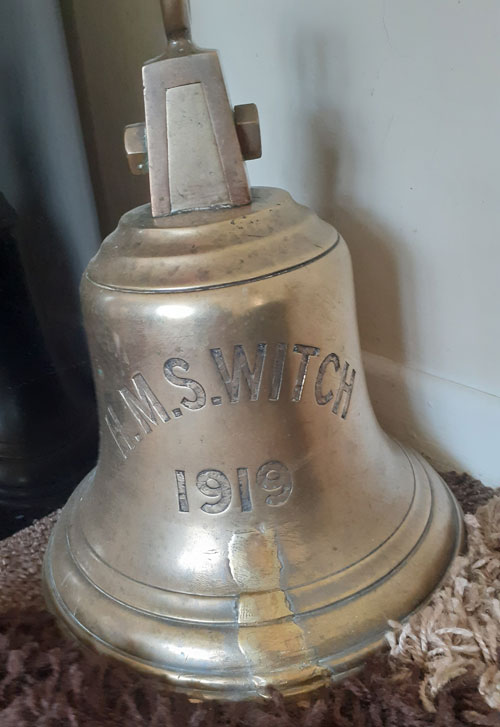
(442, 668)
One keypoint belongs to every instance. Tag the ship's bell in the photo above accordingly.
(249, 525)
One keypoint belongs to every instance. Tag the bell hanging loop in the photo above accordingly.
(176, 19)
(177, 23)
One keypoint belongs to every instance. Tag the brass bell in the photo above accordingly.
(249, 525)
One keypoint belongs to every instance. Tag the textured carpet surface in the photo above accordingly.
(441, 668)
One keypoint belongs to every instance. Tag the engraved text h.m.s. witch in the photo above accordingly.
(146, 408)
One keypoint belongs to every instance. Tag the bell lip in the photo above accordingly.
(328, 591)
(210, 249)
(303, 676)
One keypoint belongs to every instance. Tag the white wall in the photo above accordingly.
(383, 115)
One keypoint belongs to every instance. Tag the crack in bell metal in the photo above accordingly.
(249, 524)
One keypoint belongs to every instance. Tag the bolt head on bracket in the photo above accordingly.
(246, 119)
(136, 148)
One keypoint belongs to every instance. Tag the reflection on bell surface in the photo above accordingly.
(248, 525)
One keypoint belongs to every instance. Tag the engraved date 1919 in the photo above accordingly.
(273, 477)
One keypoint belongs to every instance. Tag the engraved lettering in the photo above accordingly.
(145, 406)
(116, 429)
(278, 368)
(241, 368)
(200, 398)
(180, 477)
(214, 483)
(344, 388)
(307, 352)
(275, 477)
(243, 484)
(321, 398)
(247, 372)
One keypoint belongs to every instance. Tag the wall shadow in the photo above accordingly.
(329, 145)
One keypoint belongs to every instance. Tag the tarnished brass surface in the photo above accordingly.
(248, 524)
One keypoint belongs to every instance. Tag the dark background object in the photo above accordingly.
(48, 429)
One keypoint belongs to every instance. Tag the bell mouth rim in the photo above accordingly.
(214, 687)
(333, 586)
(300, 672)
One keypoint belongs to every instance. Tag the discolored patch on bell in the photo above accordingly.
(254, 561)
(268, 636)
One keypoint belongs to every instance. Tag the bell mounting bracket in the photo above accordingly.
(192, 145)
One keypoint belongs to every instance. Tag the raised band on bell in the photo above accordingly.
(249, 525)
